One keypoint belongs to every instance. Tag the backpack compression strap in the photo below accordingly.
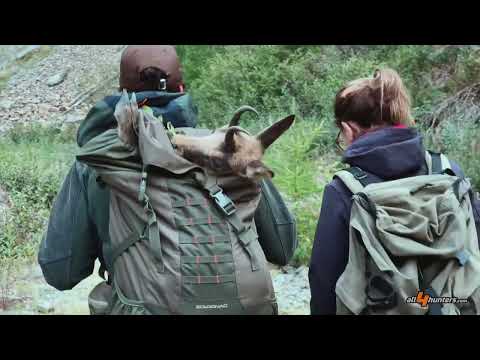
(438, 163)
(355, 179)
(228, 209)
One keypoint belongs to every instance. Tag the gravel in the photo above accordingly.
(44, 92)
(292, 289)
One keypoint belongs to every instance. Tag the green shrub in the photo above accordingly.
(460, 142)
(271, 77)
(277, 80)
(33, 163)
(193, 59)
(300, 177)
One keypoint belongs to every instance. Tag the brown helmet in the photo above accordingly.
(142, 64)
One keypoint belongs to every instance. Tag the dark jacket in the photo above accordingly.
(388, 154)
(77, 232)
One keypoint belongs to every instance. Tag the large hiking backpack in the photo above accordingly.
(182, 240)
(413, 246)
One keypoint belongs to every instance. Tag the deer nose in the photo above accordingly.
(219, 163)
(255, 164)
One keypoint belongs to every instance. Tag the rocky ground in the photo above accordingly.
(292, 289)
(29, 294)
(59, 84)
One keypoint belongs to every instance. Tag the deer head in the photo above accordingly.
(228, 150)
(244, 152)
(232, 149)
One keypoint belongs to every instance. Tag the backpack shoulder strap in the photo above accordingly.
(352, 178)
(355, 179)
(438, 163)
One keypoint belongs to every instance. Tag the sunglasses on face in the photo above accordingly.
(339, 142)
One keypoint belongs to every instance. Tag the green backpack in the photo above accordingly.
(182, 240)
(413, 246)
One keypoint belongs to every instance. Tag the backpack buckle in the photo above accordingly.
(222, 200)
(357, 173)
(162, 85)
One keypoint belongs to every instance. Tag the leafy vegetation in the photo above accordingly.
(33, 163)
(277, 80)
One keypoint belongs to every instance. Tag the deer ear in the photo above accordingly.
(257, 170)
(230, 145)
(268, 136)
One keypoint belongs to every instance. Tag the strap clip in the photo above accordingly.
(223, 201)
(357, 173)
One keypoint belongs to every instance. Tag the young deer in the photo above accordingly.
(228, 150)
(232, 149)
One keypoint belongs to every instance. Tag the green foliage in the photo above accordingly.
(304, 80)
(32, 133)
(33, 162)
(461, 143)
(300, 178)
(193, 59)
(277, 80)
(269, 80)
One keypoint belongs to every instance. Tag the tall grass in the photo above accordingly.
(33, 162)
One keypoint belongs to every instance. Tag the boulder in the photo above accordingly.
(57, 78)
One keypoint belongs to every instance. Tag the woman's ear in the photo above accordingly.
(351, 131)
(347, 133)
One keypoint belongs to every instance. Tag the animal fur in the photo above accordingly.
(232, 150)
(126, 113)
(227, 150)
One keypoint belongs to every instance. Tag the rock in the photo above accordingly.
(302, 272)
(28, 50)
(17, 312)
(53, 97)
(288, 269)
(4, 206)
(292, 290)
(74, 118)
(57, 78)
(6, 104)
(45, 307)
(44, 109)
(4, 197)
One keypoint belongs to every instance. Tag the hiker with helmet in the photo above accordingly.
(101, 201)
(399, 221)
